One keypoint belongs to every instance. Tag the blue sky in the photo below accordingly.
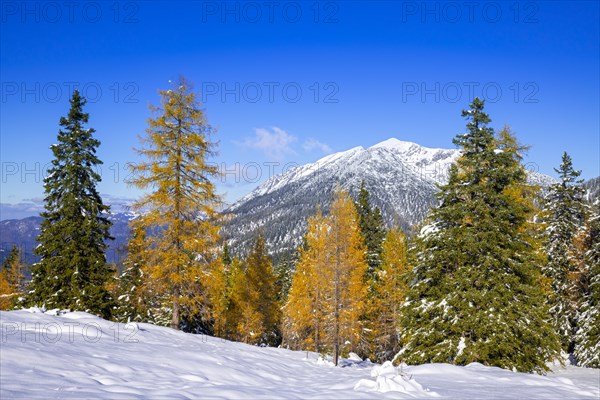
(287, 82)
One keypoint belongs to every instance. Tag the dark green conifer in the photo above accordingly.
(284, 271)
(73, 272)
(565, 215)
(371, 227)
(587, 337)
(475, 293)
(226, 257)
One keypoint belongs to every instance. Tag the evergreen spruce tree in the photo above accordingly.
(226, 257)
(475, 293)
(284, 270)
(565, 214)
(371, 227)
(587, 337)
(72, 272)
(179, 209)
(373, 233)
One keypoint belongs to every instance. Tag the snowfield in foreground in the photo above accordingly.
(76, 355)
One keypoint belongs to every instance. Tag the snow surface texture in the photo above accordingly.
(77, 355)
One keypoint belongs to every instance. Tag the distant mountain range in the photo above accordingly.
(402, 178)
(23, 232)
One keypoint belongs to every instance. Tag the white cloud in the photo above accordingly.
(23, 209)
(118, 204)
(274, 144)
(312, 144)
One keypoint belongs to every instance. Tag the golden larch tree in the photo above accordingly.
(7, 292)
(388, 292)
(11, 279)
(254, 310)
(245, 322)
(329, 288)
(179, 208)
(348, 273)
(304, 311)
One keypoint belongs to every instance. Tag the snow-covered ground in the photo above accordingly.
(76, 355)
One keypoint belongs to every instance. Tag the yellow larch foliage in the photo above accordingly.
(349, 268)
(216, 284)
(246, 323)
(527, 196)
(179, 209)
(389, 291)
(11, 279)
(328, 293)
(304, 311)
(7, 292)
(253, 310)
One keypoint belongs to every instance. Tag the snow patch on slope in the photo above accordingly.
(77, 355)
(277, 182)
(389, 379)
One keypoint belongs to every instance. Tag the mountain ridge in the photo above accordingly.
(23, 232)
(441, 158)
(402, 178)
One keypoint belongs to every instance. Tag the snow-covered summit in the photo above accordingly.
(396, 144)
(420, 156)
(402, 178)
(432, 163)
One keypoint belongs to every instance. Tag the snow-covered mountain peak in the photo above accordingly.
(395, 144)
(418, 156)
(401, 177)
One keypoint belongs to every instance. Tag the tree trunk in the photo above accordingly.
(336, 333)
(317, 337)
(178, 220)
(175, 319)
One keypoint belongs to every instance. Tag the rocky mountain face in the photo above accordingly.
(593, 189)
(402, 178)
